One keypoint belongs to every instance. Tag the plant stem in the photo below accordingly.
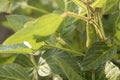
(67, 50)
(97, 27)
(66, 5)
(62, 42)
(87, 26)
(35, 76)
(34, 8)
(87, 34)
(77, 16)
(93, 75)
(101, 26)
(98, 21)
(33, 60)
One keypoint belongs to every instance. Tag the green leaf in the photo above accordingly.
(99, 3)
(23, 60)
(110, 24)
(63, 64)
(96, 55)
(75, 35)
(72, 7)
(43, 26)
(79, 3)
(90, 34)
(110, 4)
(100, 73)
(13, 72)
(43, 69)
(5, 59)
(69, 72)
(96, 3)
(112, 71)
(117, 34)
(72, 60)
(14, 48)
(17, 21)
(4, 5)
(60, 4)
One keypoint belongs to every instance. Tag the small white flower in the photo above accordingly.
(27, 44)
(111, 71)
(44, 69)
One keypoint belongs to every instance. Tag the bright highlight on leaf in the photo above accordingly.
(14, 48)
(27, 44)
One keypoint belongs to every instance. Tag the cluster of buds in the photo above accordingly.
(87, 1)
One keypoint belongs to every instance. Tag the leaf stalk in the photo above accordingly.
(33, 8)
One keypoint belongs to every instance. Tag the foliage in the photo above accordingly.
(61, 40)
